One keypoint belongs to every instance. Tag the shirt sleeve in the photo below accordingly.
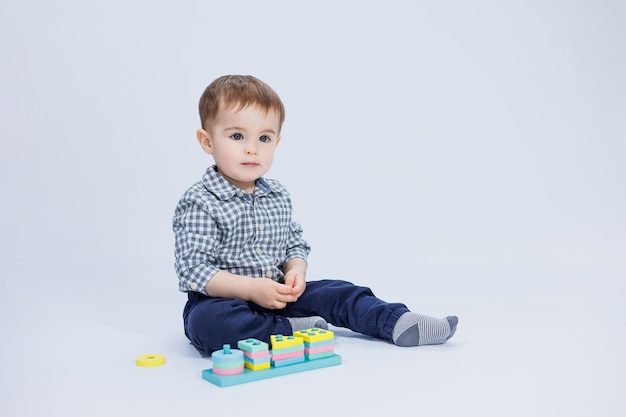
(196, 241)
(297, 247)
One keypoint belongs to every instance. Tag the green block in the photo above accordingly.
(316, 356)
(252, 345)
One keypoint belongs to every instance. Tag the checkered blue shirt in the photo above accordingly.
(218, 226)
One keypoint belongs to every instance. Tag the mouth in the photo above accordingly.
(250, 164)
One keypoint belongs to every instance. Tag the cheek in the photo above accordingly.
(268, 156)
(225, 155)
(269, 153)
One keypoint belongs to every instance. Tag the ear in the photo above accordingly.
(205, 141)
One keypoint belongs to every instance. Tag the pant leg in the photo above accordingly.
(344, 304)
(212, 322)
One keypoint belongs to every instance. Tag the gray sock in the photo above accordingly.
(413, 329)
(452, 321)
(301, 323)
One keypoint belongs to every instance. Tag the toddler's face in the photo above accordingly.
(242, 143)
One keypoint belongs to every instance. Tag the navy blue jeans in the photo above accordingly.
(212, 322)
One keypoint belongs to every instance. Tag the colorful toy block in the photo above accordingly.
(314, 335)
(251, 376)
(256, 354)
(318, 343)
(252, 345)
(227, 361)
(257, 363)
(289, 354)
(316, 356)
(280, 342)
(286, 350)
(321, 349)
(287, 359)
(257, 357)
(289, 349)
(257, 366)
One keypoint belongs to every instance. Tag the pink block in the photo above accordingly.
(287, 355)
(313, 351)
(233, 371)
(255, 355)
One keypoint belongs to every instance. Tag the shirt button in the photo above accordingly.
(240, 193)
(256, 204)
(258, 251)
(193, 285)
(261, 227)
(268, 274)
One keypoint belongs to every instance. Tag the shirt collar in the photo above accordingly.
(224, 190)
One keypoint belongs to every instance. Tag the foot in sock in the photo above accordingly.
(413, 329)
(301, 323)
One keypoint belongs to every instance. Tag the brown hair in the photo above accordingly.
(238, 91)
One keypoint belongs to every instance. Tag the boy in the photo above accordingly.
(242, 259)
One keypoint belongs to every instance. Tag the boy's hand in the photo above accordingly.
(296, 281)
(295, 276)
(262, 291)
(271, 294)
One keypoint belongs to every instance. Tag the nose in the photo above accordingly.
(251, 148)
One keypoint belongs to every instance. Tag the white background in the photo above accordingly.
(462, 157)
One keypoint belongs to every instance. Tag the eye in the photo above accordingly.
(236, 136)
(265, 139)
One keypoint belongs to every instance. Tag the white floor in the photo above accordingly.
(552, 346)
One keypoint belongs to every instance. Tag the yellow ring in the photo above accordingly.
(153, 359)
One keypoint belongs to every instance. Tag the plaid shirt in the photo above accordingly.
(221, 227)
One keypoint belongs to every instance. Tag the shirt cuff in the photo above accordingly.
(296, 253)
(198, 278)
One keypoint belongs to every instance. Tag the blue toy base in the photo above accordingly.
(250, 376)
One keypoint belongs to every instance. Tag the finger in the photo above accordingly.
(289, 280)
(289, 298)
(283, 289)
(298, 286)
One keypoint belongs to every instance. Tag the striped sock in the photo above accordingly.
(301, 323)
(414, 329)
